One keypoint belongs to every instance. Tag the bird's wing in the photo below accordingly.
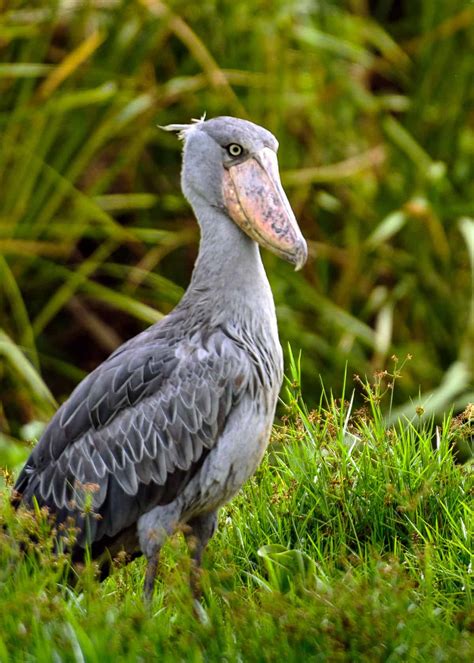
(136, 429)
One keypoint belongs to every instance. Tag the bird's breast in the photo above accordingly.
(234, 459)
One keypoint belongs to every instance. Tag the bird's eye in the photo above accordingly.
(234, 150)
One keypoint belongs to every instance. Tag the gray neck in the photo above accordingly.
(229, 273)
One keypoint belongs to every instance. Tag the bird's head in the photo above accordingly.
(232, 164)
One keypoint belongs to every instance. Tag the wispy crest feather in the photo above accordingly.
(184, 129)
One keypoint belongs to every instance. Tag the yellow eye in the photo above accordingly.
(234, 150)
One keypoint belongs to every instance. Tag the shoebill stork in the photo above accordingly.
(170, 426)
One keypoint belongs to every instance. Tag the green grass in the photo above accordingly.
(353, 542)
(371, 103)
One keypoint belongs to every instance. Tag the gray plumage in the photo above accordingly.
(169, 427)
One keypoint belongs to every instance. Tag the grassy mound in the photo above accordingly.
(351, 543)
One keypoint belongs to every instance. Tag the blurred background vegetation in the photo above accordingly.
(371, 101)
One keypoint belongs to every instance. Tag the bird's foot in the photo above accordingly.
(200, 612)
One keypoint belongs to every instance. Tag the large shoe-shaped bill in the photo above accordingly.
(257, 203)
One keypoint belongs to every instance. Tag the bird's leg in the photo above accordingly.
(150, 576)
(153, 529)
(200, 530)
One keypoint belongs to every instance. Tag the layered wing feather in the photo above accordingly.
(135, 430)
